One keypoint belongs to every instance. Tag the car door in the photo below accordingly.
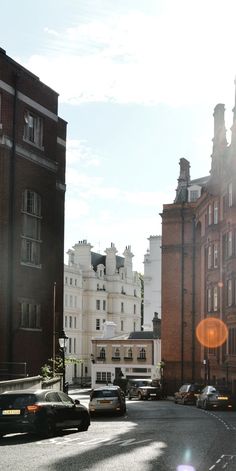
(56, 408)
(71, 413)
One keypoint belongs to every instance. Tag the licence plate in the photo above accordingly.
(11, 412)
(105, 402)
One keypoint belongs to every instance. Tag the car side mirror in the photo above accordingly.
(76, 401)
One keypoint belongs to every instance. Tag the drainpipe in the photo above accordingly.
(11, 230)
(182, 294)
(193, 294)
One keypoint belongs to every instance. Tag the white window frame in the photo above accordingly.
(33, 129)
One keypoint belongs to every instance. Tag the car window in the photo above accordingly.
(16, 402)
(52, 397)
(104, 393)
(64, 398)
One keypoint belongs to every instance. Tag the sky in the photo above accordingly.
(138, 81)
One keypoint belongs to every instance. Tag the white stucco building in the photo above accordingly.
(97, 288)
(152, 281)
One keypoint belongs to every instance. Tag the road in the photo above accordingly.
(152, 436)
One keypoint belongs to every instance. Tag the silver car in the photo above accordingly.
(215, 397)
(107, 399)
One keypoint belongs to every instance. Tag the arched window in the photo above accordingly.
(130, 353)
(117, 353)
(142, 353)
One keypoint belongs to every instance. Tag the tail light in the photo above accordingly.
(33, 408)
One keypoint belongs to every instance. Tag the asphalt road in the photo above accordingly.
(153, 436)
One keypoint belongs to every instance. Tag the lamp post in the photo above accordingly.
(62, 342)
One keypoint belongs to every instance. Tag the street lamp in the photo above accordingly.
(62, 342)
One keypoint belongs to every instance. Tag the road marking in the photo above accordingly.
(223, 461)
(93, 441)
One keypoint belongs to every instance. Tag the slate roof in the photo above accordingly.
(98, 259)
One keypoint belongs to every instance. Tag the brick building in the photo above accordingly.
(199, 266)
(32, 191)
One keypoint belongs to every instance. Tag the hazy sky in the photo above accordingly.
(138, 82)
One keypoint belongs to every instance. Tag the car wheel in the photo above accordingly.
(48, 429)
(85, 425)
(140, 396)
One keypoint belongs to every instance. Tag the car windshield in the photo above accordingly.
(16, 401)
(144, 383)
(103, 393)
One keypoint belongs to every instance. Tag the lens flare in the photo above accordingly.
(211, 332)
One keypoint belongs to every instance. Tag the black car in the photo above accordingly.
(188, 393)
(143, 389)
(43, 412)
(215, 397)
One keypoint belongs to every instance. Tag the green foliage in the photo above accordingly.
(47, 369)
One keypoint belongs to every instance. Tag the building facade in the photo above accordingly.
(32, 190)
(132, 355)
(97, 288)
(152, 281)
(199, 266)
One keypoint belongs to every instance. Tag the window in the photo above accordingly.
(71, 281)
(215, 298)
(229, 293)
(71, 301)
(134, 308)
(70, 343)
(75, 301)
(74, 322)
(74, 345)
(122, 307)
(31, 227)
(194, 195)
(97, 286)
(130, 353)
(66, 300)
(33, 129)
(117, 353)
(209, 307)
(75, 281)
(98, 304)
(104, 305)
(142, 353)
(216, 213)
(209, 215)
(66, 280)
(65, 321)
(104, 376)
(209, 257)
(102, 353)
(98, 324)
(121, 325)
(30, 316)
(232, 341)
(135, 293)
(230, 195)
(215, 256)
(70, 322)
(230, 244)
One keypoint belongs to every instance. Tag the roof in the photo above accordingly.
(97, 259)
(200, 181)
(144, 334)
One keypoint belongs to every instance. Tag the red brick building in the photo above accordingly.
(32, 191)
(199, 266)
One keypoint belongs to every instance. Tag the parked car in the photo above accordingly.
(43, 412)
(215, 397)
(188, 393)
(107, 399)
(143, 389)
